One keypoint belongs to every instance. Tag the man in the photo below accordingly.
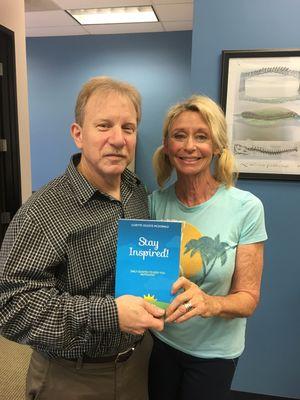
(58, 263)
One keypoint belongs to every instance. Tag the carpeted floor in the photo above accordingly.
(14, 360)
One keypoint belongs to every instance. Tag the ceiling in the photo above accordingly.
(48, 18)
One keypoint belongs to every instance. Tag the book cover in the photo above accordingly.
(148, 259)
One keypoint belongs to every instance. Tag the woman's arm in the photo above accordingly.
(240, 302)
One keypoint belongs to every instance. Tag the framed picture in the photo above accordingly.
(260, 94)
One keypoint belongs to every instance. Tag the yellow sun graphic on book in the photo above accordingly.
(150, 298)
(189, 264)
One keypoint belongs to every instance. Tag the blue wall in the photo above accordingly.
(158, 64)
(271, 361)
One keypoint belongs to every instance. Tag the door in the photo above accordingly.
(10, 184)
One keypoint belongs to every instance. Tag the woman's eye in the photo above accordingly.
(179, 136)
(201, 137)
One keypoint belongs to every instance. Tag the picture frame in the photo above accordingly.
(260, 95)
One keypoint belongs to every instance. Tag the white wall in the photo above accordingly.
(12, 16)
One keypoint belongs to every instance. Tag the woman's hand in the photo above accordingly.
(192, 302)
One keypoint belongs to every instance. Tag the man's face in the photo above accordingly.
(107, 137)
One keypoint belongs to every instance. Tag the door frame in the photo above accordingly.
(10, 160)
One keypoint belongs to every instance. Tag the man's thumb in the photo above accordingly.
(154, 310)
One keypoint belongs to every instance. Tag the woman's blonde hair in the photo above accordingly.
(224, 164)
(105, 85)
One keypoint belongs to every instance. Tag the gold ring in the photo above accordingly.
(188, 306)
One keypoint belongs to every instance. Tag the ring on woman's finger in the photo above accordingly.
(188, 306)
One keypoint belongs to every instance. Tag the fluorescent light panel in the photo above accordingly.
(114, 15)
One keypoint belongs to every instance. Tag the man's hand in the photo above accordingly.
(136, 315)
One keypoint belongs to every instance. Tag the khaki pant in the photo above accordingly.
(59, 379)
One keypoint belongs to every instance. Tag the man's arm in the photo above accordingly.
(33, 309)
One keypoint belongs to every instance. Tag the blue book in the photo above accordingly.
(148, 259)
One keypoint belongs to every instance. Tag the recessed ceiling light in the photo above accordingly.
(114, 15)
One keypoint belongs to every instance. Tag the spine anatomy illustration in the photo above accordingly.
(265, 150)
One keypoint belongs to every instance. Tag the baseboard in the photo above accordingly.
(235, 395)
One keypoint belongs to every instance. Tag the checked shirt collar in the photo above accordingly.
(84, 190)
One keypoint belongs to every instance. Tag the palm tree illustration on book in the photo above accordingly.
(210, 250)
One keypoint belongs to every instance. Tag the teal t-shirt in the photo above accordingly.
(232, 217)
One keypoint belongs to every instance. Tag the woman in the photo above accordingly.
(195, 356)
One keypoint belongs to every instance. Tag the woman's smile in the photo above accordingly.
(189, 160)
